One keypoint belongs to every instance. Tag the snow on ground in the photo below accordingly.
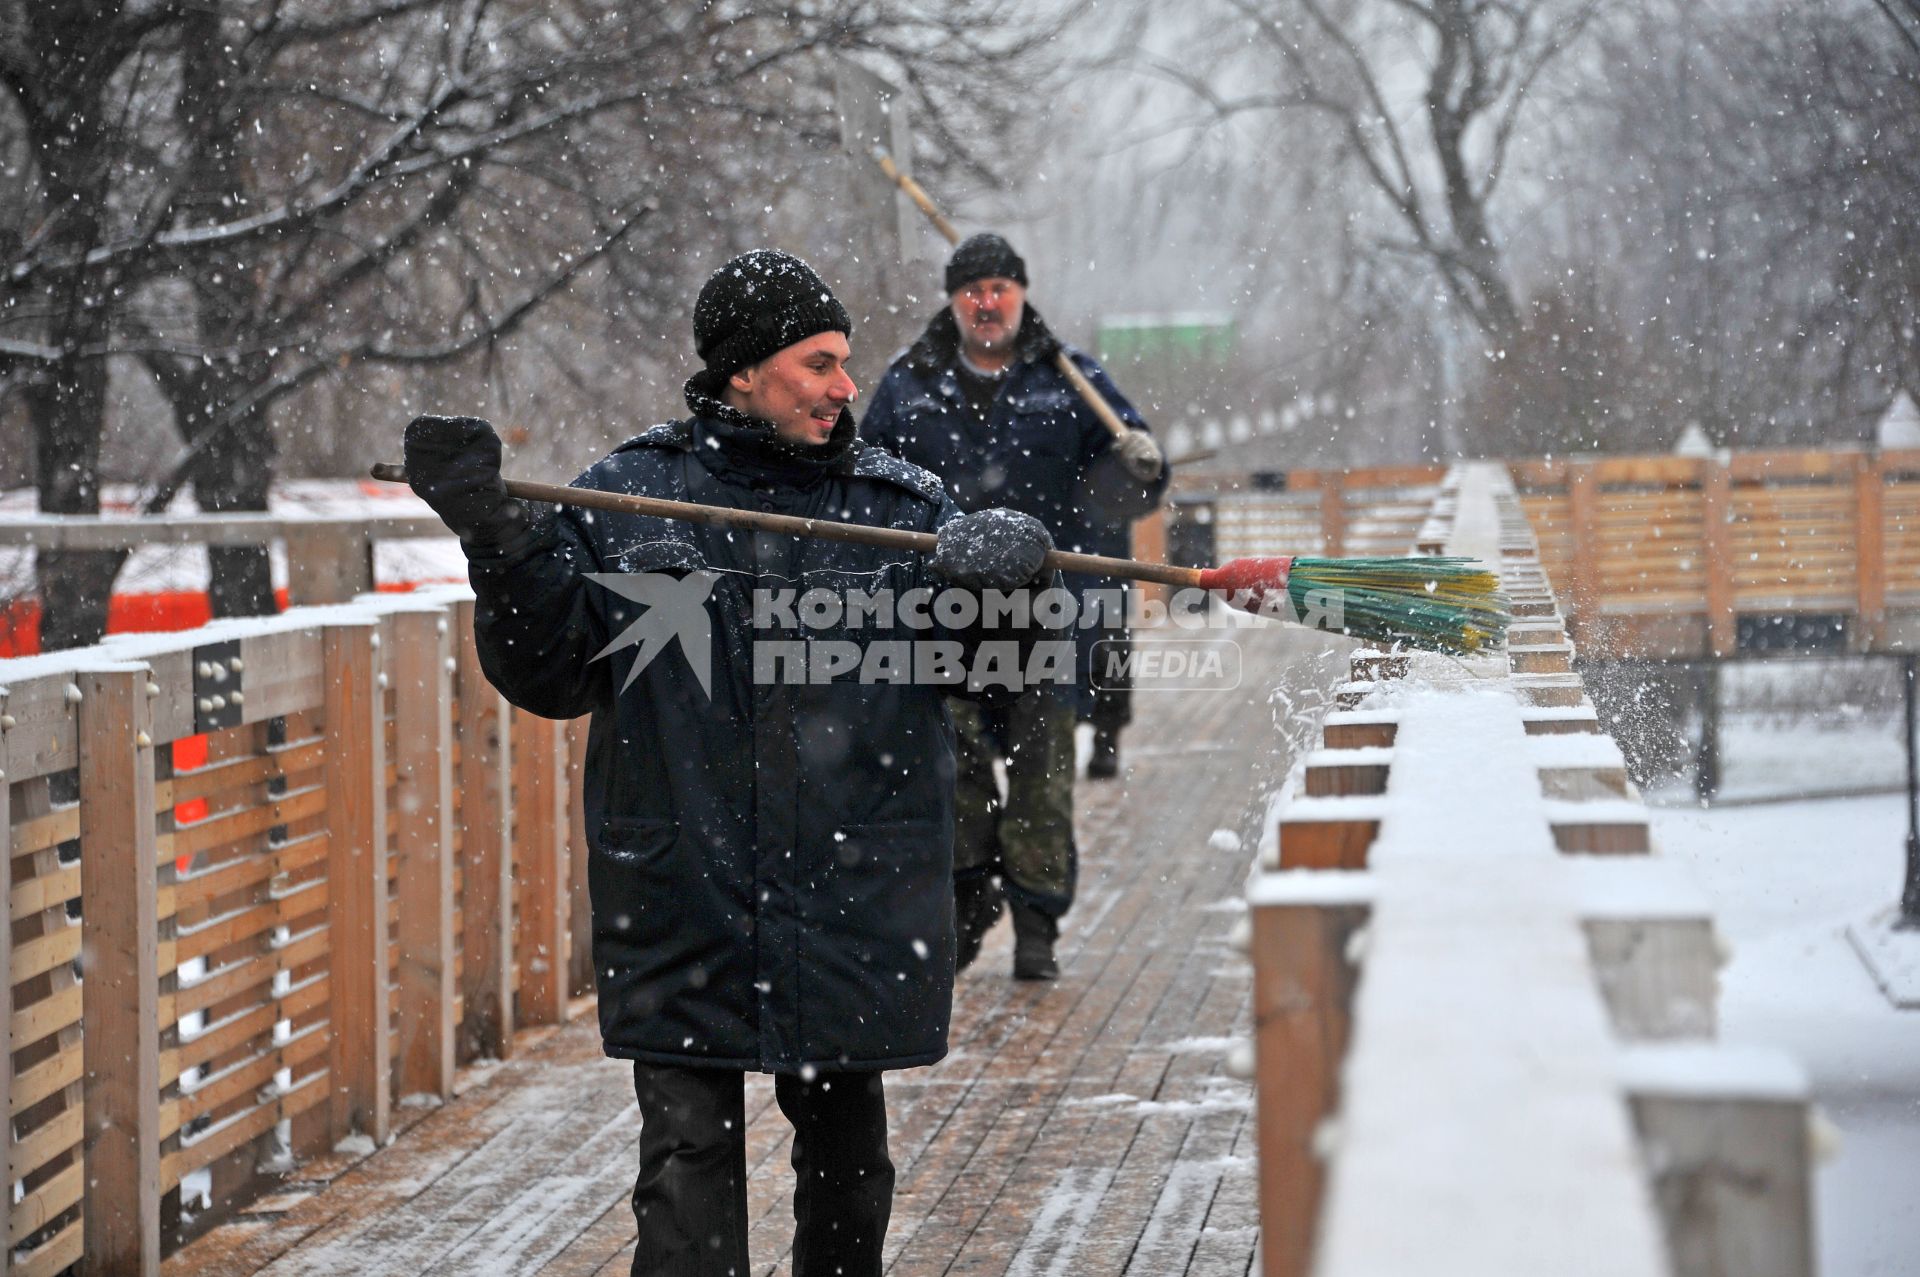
(1786, 880)
(1762, 760)
(1765, 761)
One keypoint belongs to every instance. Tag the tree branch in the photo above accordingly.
(371, 351)
(1907, 36)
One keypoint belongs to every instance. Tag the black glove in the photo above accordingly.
(991, 550)
(453, 464)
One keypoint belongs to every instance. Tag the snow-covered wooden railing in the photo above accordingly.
(265, 878)
(1484, 1009)
(329, 557)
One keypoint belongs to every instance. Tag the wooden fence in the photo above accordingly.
(1324, 512)
(265, 878)
(1657, 553)
(1650, 556)
(1484, 1008)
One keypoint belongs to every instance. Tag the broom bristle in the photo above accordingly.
(1442, 604)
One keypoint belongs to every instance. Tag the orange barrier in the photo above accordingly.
(164, 613)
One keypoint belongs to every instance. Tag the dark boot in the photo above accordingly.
(1033, 936)
(1105, 763)
(976, 907)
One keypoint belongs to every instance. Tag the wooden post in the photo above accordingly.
(423, 828)
(121, 990)
(580, 903)
(540, 828)
(1583, 519)
(1333, 513)
(1658, 974)
(1302, 999)
(359, 1057)
(6, 998)
(1706, 768)
(1716, 491)
(486, 825)
(1326, 844)
(1870, 539)
(327, 563)
(1730, 1165)
(166, 826)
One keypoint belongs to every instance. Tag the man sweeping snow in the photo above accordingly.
(770, 860)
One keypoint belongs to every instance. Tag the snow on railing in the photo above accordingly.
(1484, 1007)
(253, 822)
(329, 558)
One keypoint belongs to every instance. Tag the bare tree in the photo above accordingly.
(1752, 181)
(1702, 214)
(1433, 151)
(162, 229)
(66, 66)
(253, 197)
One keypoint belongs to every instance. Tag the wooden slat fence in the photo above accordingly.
(264, 879)
(1677, 549)
(1650, 556)
(1325, 512)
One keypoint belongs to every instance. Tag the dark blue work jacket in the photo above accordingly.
(1041, 449)
(770, 863)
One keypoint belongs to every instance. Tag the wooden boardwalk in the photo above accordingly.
(1083, 1127)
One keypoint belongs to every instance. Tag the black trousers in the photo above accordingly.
(691, 1195)
(1106, 682)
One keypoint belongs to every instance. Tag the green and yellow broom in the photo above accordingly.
(1438, 604)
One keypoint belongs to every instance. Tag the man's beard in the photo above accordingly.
(1009, 334)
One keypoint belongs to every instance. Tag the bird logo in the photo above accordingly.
(676, 608)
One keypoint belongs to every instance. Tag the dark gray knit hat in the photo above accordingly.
(759, 303)
(984, 256)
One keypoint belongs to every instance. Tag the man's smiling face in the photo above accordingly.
(802, 389)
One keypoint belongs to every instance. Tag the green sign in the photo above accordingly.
(1168, 337)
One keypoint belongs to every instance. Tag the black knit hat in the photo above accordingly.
(984, 256)
(759, 303)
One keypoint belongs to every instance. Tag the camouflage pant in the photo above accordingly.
(1028, 839)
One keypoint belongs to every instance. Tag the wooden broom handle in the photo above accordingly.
(793, 525)
(1075, 378)
(1095, 400)
(918, 194)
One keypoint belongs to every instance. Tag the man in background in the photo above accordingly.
(978, 400)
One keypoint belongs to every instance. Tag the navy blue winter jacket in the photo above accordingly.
(1041, 449)
(770, 864)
